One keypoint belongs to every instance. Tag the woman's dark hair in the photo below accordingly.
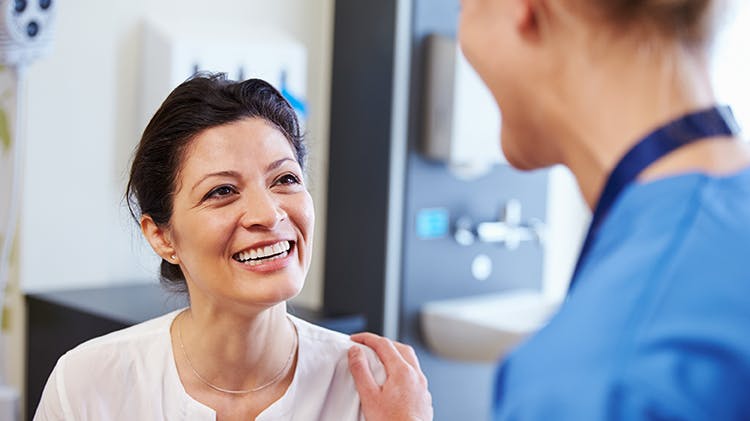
(202, 102)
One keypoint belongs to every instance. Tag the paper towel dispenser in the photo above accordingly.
(461, 118)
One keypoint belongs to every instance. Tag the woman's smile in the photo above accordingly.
(267, 257)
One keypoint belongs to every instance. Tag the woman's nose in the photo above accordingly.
(262, 210)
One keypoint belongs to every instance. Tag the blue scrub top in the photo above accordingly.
(658, 325)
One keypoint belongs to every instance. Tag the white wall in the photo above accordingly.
(82, 104)
(731, 62)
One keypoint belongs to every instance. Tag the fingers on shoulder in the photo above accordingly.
(383, 347)
(407, 353)
(366, 379)
(370, 360)
(410, 356)
(398, 359)
(372, 340)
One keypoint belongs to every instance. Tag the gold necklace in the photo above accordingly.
(273, 380)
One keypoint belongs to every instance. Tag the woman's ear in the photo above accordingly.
(527, 14)
(159, 239)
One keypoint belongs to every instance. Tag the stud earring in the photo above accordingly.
(174, 257)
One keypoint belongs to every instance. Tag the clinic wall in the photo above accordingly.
(82, 104)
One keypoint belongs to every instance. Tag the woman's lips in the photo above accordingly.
(267, 258)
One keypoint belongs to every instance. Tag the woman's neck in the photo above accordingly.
(236, 352)
(622, 98)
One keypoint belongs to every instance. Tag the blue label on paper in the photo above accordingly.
(433, 223)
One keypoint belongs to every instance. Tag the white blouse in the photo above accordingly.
(131, 375)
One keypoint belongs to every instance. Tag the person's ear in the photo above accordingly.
(526, 16)
(159, 239)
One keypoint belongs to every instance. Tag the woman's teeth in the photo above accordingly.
(263, 254)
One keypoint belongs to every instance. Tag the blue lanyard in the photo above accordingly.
(712, 122)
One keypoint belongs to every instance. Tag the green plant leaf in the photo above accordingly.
(5, 139)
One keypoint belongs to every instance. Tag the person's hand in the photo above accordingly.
(404, 395)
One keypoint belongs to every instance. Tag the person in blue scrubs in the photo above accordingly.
(656, 325)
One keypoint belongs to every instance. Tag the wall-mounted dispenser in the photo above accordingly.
(461, 124)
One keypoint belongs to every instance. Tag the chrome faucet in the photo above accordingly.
(509, 231)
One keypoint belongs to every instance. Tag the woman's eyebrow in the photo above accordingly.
(276, 164)
(233, 174)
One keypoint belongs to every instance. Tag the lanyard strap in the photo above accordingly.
(712, 122)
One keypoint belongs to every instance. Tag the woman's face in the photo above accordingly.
(481, 33)
(242, 224)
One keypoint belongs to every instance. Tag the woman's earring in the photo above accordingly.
(174, 257)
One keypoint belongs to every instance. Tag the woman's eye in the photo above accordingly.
(287, 179)
(221, 191)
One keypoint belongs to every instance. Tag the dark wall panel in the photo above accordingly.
(359, 158)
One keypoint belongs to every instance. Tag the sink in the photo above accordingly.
(484, 328)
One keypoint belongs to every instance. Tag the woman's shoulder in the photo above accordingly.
(319, 334)
(326, 345)
(141, 332)
(323, 387)
(95, 378)
(330, 340)
(120, 349)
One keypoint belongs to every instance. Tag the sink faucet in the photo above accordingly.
(509, 230)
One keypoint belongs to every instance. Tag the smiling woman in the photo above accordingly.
(217, 186)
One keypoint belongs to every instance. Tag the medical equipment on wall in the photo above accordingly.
(26, 30)
(175, 50)
(461, 126)
(509, 230)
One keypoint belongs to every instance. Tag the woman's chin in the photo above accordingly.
(517, 160)
(521, 153)
(281, 293)
(267, 292)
